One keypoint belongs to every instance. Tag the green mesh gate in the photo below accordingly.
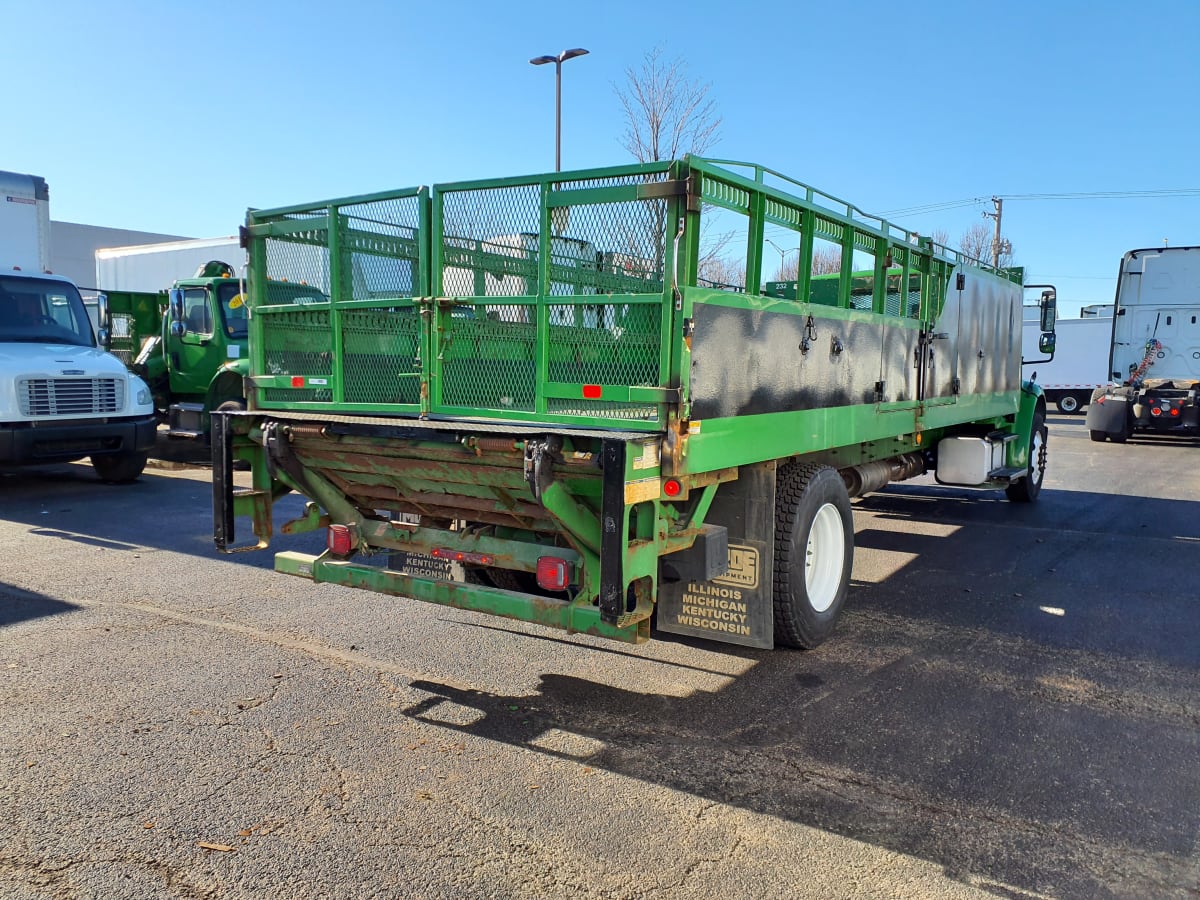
(556, 295)
(529, 299)
(334, 319)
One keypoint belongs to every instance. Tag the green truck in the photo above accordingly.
(189, 343)
(527, 396)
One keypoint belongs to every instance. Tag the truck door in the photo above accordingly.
(196, 353)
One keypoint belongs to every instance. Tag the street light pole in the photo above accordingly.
(558, 61)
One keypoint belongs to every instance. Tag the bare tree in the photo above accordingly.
(977, 243)
(667, 114)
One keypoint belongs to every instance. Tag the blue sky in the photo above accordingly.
(173, 117)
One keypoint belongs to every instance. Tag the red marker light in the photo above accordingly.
(478, 559)
(340, 540)
(672, 487)
(591, 392)
(297, 381)
(553, 574)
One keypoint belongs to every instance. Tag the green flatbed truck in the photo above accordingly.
(189, 343)
(531, 382)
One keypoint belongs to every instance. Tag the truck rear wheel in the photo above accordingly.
(1028, 488)
(119, 468)
(1069, 404)
(814, 553)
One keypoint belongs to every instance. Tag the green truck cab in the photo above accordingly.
(190, 344)
(542, 384)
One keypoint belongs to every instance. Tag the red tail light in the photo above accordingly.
(340, 540)
(672, 487)
(553, 574)
(1156, 411)
(1174, 412)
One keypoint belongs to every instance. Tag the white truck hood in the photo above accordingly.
(20, 360)
(63, 363)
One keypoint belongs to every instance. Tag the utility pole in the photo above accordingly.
(997, 245)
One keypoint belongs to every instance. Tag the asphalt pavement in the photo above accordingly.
(1009, 708)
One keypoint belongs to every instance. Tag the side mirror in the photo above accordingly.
(175, 312)
(1049, 306)
(103, 321)
(1046, 343)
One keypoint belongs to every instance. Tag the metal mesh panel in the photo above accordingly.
(490, 241)
(612, 410)
(298, 258)
(605, 343)
(381, 349)
(381, 240)
(298, 343)
(488, 358)
(608, 248)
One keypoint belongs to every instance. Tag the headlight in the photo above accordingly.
(141, 391)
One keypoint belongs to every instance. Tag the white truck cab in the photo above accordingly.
(64, 397)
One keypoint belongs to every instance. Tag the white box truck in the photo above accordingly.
(1080, 363)
(63, 396)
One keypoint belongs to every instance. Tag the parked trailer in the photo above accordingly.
(148, 268)
(1080, 362)
(524, 377)
(1154, 358)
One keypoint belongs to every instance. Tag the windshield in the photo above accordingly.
(42, 311)
(233, 309)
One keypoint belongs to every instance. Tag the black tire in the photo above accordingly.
(231, 406)
(1029, 488)
(1069, 404)
(1098, 436)
(812, 511)
(120, 468)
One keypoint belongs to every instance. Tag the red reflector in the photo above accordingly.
(671, 487)
(553, 574)
(297, 381)
(340, 540)
(477, 559)
(591, 392)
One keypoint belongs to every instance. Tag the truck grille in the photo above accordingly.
(70, 396)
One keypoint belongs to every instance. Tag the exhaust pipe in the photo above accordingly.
(874, 475)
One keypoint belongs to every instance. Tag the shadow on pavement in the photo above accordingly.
(18, 605)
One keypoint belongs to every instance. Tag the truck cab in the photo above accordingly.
(63, 397)
(1154, 358)
(190, 343)
(204, 349)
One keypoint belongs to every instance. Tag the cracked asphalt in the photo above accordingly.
(1010, 708)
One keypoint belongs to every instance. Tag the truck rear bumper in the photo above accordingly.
(24, 444)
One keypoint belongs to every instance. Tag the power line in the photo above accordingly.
(1083, 195)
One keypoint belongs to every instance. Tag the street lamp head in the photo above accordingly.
(542, 60)
(571, 54)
